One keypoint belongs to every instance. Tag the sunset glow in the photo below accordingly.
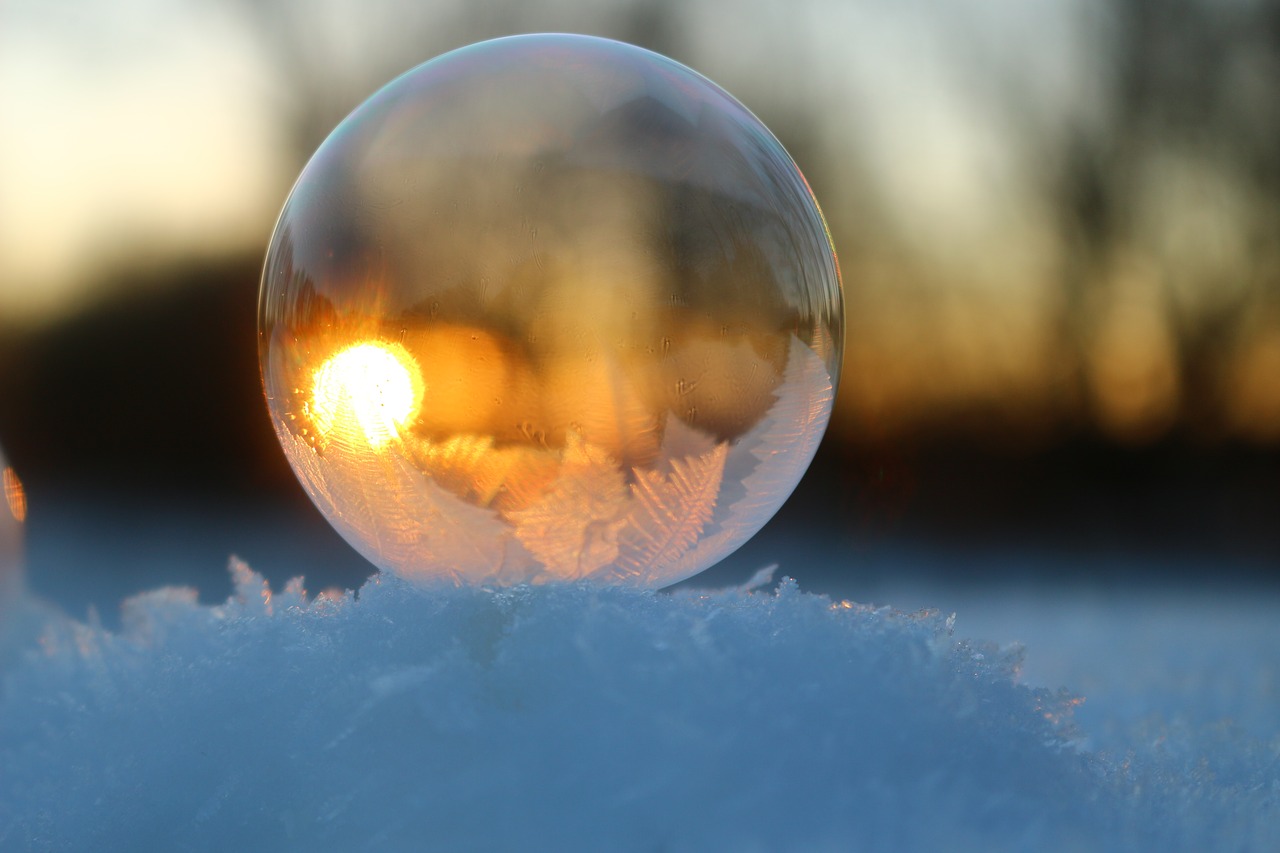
(367, 393)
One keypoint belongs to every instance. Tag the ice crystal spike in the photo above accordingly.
(550, 307)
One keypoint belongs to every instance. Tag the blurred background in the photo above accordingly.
(1058, 223)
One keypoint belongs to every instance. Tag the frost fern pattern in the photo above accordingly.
(468, 509)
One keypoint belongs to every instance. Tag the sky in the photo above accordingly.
(130, 128)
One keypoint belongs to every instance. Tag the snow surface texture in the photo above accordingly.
(575, 717)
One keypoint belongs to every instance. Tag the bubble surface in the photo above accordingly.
(549, 308)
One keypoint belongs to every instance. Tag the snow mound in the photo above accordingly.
(576, 717)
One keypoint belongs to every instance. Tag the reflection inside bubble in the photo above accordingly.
(550, 307)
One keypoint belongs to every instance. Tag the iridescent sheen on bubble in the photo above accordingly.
(549, 308)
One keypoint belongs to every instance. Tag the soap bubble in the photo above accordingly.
(548, 308)
(13, 512)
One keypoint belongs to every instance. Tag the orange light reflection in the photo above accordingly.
(14, 494)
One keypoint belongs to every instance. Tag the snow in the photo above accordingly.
(567, 717)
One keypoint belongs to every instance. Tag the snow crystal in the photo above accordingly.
(579, 717)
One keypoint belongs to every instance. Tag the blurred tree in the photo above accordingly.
(1178, 184)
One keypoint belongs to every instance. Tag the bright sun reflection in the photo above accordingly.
(367, 392)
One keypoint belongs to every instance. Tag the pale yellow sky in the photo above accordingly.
(126, 127)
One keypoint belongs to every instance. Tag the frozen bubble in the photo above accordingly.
(550, 307)
(13, 512)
